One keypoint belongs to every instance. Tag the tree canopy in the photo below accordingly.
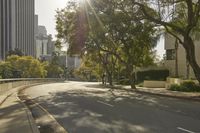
(110, 32)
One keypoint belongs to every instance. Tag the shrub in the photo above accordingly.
(23, 67)
(54, 71)
(6, 70)
(187, 86)
(159, 74)
(174, 87)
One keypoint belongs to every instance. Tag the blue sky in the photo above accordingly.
(46, 13)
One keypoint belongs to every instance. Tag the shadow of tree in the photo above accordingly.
(13, 118)
(84, 111)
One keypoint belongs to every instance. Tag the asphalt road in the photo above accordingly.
(82, 107)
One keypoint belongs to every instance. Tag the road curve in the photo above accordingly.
(83, 107)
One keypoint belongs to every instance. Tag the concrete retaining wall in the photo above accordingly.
(154, 84)
(171, 81)
(165, 84)
(7, 85)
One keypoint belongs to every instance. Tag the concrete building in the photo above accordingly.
(71, 62)
(17, 26)
(41, 41)
(182, 69)
(45, 46)
(36, 25)
(50, 45)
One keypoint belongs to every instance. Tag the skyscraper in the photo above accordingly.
(17, 26)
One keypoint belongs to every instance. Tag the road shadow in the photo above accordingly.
(12, 118)
(105, 110)
(79, 112)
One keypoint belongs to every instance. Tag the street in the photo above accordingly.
(83, 107)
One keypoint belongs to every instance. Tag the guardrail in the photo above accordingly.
(7, 85)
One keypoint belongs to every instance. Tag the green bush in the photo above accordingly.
(187, 86)
(160, 74)
(174, 87)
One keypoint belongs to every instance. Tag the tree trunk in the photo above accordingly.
(102, 79)
(110, 80)
(131, 76)
(132, 80)
(176, 59)
(191, 57)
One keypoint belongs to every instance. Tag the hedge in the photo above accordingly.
(159, 74)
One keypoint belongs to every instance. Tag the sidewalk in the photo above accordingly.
(168, 93)
(14, 116)
(194, 96)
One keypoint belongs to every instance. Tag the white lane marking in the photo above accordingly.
(105, 103)
(188, 131)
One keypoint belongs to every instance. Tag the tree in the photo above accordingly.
(53, 68)
(112, 34)
(180, 18)
(121, 34)
(89, 69)
(71, 26)
(54, 71)
(16, 51)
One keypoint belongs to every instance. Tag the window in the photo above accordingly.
(170, 54)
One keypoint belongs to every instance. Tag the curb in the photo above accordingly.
(5, 98)
(61, 128)
(138, 90)
(13, 90)
(31, 120)
(171, 96)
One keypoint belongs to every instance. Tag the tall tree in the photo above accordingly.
(71, 25)
(113, 31)
(126, 36)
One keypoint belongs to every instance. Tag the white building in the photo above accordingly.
(71, 62)
(41, 41)
(182, 68)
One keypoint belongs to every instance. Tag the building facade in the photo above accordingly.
(176, 58)
(17, 26)
(41, 41)
(71, 62)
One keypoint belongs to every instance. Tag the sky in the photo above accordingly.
(46, 11)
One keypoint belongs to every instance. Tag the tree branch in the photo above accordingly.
(158, 21)
(174, 35)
